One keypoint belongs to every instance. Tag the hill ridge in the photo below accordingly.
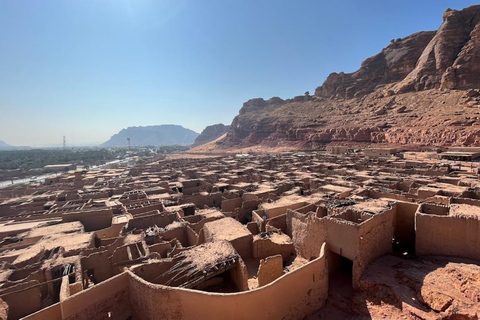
(165, 134)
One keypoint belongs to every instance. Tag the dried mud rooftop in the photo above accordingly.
(315, 235)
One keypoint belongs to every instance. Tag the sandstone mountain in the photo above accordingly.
(420, 90)
(166, 134)
(211, 133)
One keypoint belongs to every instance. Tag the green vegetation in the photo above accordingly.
(171, 149)
(24, 163)
(38, 158)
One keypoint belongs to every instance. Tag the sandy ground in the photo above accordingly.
(395, 288)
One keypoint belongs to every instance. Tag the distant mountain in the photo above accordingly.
(6, 146)
(165, 134)
(211, 133)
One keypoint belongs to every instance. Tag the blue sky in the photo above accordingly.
(86, 69)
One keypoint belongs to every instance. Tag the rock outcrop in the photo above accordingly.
(421, 90)
(448, 58)
(391, 65)
(211, 133)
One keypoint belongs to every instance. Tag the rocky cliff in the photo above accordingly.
(391, 65)
(451, 58)
(420, 89)
(211, 133)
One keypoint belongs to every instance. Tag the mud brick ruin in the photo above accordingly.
(275, 236)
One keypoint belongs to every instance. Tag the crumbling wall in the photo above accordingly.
(308, 235)
(435, 209)
(100, 264)
(161, 248)
(160, 220)
(182, 233)
(239, 276)
(447, 235)
(200, 200)
(92, 220)
(127, 253)
(231, 204)
(111, 232)
(269, 244)
(257, 217)
(375, 240)
(276, 211)
(342, 237)
(192, 236)
(231, 230)
(270, 269)
(295, 295)
(279, 222)
(394, 196)
(473, 202)
(64, 289)
(153, 271)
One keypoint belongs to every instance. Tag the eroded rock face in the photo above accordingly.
(451, 59)
(422, 90)
(465, 72)
(243, 126)
(448, 58)
(211, 133)
(391, 65)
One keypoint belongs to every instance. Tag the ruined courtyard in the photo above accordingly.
(318, 235)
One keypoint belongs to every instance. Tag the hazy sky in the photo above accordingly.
(86, 69)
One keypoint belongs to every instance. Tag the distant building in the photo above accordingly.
(59, 167)
(380, 152)
(338, 149)
(459, 156)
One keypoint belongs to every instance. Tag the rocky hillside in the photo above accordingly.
(422, 89)
(166, 134)
(211, 133)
